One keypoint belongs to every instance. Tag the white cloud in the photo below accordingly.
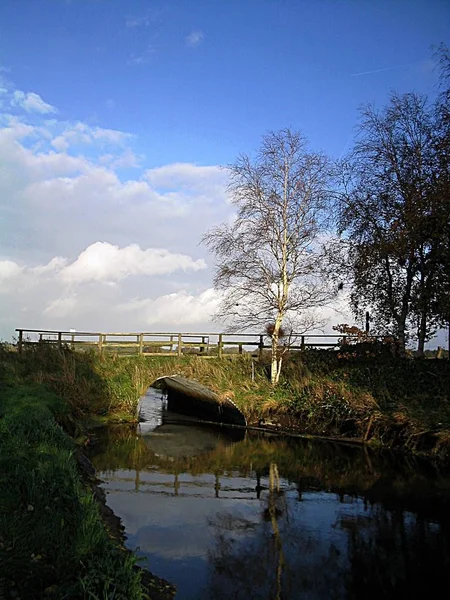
(111, 136)
(105, 262)
(126, 160)
(8, 270)
(83, 134)
(31, 103)
(194, 38)
(56, 264)
(185, 174)
(63, 307)
(179, 308)
(60, 192)
(15, 277)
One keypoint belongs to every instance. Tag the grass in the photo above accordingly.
(53, 542)
(394, 402)
(388, 401)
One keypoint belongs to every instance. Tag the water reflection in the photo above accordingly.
(270, 518)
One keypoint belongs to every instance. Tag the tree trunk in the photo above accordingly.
(401, 319)
(422, 334)
(423, 306)
(274, 371)
(402, 341)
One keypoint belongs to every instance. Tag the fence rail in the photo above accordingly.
(169, 343)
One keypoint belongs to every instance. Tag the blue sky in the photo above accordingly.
(111, 110)
(257, 65)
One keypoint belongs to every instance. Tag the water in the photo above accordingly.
(229, 515)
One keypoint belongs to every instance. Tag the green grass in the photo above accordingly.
(53, 541)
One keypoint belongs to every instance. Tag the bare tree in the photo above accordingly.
(267, 260)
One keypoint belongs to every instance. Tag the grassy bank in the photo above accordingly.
(388, 401)
(53, 542)
(53, 538)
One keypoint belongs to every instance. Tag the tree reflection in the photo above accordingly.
(377, 553)
(273, 557)
(394, 554)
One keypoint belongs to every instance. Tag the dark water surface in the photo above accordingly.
(226, 514)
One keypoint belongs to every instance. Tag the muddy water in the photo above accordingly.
(228, 515)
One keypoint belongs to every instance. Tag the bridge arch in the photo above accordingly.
(193, 399)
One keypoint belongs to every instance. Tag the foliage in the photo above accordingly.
(393, 214)
(356, 342)
(441, 292)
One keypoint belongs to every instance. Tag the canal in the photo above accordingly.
(229, 514)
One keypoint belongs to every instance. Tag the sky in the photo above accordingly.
(117, 115)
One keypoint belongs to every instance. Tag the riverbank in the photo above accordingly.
(400, 403)
(379, 400)
(56, 538)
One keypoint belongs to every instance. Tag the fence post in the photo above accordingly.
(20, 342)
(202, 349)
(179, 344)
(72, 342)
(100, 344)
(302, 343)
(240, 348)
(261, 345)
(59, 340)
(220, 345)
(141, 343)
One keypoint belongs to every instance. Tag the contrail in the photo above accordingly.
(378, 70)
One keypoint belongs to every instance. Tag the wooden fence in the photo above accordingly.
(168, 343)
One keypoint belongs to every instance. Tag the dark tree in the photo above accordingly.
(390, 213)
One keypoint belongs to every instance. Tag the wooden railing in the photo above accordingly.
(167, 343)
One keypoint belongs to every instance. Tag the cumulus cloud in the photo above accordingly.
(15, 277)
(185, 174)
(9, 270)
(62, 189)
(194, 38)
(66, 306)
(31, 103)
(126, 160)
(179, 308)
(105, 262)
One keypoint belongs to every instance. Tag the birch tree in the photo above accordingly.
(268, 266)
